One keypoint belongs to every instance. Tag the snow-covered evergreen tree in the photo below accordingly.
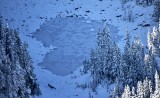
(127, 52)
(144, 89)
(107, 64)
(117, 92)
(149, 39)
(93, 62)
(116, 63)
(154, 41)
(140, 90)
(104, 54)
(136, 67)
(151, 65)
(157, 85)
(133, 94)
(86, 65)
(16, 71)
(105, 61)
(150, 88)
(127, 92)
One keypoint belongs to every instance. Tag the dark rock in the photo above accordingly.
(119, 16)
(51, 86)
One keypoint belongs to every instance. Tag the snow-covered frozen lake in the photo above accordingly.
(73, 39)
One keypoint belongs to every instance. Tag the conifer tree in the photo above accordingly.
(93, 62)
(126, 93)
(157, 92)
(86, 65)
(127, 47)
(151, 66)
(140, 90)
(136, 68)
(127, 56)
(146, 91)
(16, 71)
(104, 54)
(150, 88)
(116, 61)
(133, 94)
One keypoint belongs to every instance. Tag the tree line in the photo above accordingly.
(107, 64)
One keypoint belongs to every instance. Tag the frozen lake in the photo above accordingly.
(73, 37)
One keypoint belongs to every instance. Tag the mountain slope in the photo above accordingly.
(28, 15)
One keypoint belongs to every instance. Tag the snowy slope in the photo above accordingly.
(73, 39)
(28, 15)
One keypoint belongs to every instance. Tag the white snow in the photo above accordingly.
(92, 30)
(88, 21)
(73, 40)
(29, 15)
